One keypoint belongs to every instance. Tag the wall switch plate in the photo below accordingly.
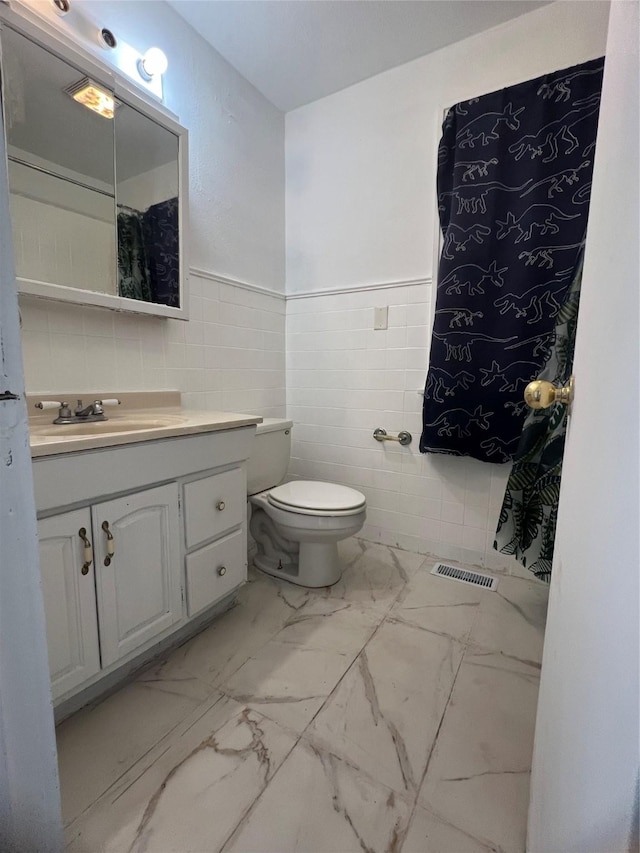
(381, 317)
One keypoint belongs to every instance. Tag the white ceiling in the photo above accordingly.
(296, 51)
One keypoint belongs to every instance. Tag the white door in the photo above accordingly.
(139, 594)
(29, 793)
(69, 592)
(586, 744)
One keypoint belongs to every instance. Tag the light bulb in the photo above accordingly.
(153, 63)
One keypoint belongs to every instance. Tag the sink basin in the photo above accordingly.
(103, 427)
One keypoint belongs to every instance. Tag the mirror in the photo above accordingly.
(61, 172)
(147, 208)
(94, 186)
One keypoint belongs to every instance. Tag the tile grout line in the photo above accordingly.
(254, 802)
(207, 704)
(435, 739)
(300, 736)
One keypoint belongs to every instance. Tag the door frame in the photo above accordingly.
(30, 817)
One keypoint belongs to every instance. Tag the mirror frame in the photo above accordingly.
(29, 24)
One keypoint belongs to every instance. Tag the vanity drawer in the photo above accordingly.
(215, 570)
(214, 505)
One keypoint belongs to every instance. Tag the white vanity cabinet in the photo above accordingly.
(166, 533)
(69, 599)
(138, 586)
(98, 610)
(215, 508)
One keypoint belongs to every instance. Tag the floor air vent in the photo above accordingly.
(464, 576)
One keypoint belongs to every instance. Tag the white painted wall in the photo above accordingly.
(360, 164)
(230, 354)
(585, 768)
(361, 183)
(236, 140)
(148, 188)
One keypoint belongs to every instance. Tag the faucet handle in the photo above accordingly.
(63, 407)
(49, 404)
(111, 401)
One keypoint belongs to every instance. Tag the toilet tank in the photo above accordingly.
(269, 460)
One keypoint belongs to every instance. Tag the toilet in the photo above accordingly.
(297, 525)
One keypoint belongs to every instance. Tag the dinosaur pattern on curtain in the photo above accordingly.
(163, 252)
(133, 272)
(527, 523)
(514, 181)
(149, 253)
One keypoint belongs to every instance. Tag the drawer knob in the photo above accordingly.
(220, 506)
(222, 571)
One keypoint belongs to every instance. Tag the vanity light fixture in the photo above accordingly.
(91, 95)
(61, 6)
(106, 39)
(153, 63)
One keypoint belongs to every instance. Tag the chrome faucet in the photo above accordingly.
(87, 414)
(92, 412)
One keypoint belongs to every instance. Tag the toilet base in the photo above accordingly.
(317, 565)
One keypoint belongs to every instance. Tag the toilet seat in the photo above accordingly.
(310, 497)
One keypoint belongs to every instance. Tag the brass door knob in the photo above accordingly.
(541, 394)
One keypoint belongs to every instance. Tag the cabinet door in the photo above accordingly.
(139, 594)
(69, 601)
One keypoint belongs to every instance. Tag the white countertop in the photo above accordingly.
(143, 416)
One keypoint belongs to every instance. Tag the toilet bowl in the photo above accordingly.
(297, 525)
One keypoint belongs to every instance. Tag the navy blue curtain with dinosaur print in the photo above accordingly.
(514, 181)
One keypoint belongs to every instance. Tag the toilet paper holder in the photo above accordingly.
(403, 437)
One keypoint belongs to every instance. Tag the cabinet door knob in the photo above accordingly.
(220, 506)
(111, 546)
(88, 553)
(222, 571)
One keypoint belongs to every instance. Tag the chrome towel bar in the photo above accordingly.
(403, 437)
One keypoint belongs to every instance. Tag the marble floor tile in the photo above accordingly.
(439, 604)
(512, 619)
(101, 742)
(428, 834)
(318, 803)
(303, 720)
(290, 677)
(264, 605)
(374, 575)
(478, 777)
(384, 714)
(195, 791)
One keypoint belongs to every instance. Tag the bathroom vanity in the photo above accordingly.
(142, 531)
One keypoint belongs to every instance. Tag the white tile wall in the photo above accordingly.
(62, 246)
(228, 356)
(343, 380)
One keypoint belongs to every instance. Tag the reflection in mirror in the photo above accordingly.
(147, 205)
(61, 171)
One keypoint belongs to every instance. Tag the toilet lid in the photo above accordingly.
(309, 495)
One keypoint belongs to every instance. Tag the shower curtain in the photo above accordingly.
(163, 255)
(149, 253)
(514, 179)
(527, 524)
(133, 272)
